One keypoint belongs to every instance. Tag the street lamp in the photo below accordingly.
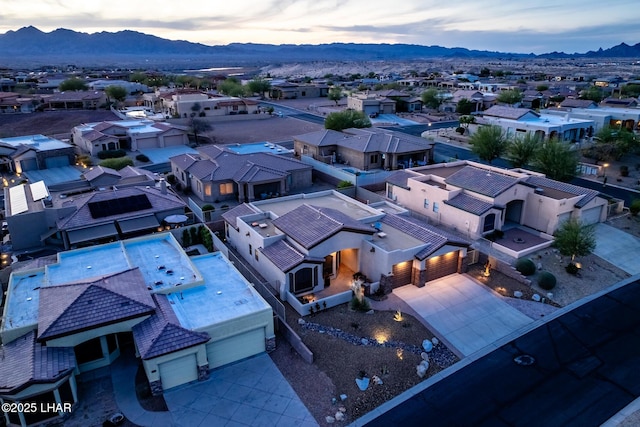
(604, 173)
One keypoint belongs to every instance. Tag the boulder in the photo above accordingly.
(517, 294)
(362, 383)
(364, 341)
(424, 356)
(343, 397)
(539, 266)
(427, 345)
(435, 341)
(301, 321)
(536, 297)
(330, 420)
(339, 416)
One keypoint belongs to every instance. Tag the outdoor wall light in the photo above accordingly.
(372, 249)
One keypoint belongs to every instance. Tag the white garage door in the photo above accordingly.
(173, 140)
(562, 218)
(147, 143)
(178, 371)
(234, 348)
(591, 216)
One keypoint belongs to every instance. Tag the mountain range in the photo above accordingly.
(29, 44)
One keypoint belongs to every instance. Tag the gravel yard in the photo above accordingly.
(49, 122)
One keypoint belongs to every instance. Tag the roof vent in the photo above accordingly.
(538, 190)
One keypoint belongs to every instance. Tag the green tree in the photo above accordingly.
(198, 127)
(572, 239)
(335, 94)
(510, 97)
(556, 160)
(592, 93)
(259, 86)
(467, 120)
(464, 106)
(612, 144)
(346, 119)
(231, 87)
(522, 150)
(489, 142)
(74, 83)
(630, 90)
(484, 72)
(195, 109)
(431, 98)
(542, 87)
(117, 93)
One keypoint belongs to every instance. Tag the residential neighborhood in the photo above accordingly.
(250, 248)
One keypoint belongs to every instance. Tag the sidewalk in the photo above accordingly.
(123, 374)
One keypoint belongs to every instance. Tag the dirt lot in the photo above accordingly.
(49, 122)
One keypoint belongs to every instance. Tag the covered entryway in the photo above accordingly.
(402, 273)
(236, 347)
(178, 371)
(442, 265)
(514, 211)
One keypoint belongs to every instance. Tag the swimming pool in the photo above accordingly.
(257, 147)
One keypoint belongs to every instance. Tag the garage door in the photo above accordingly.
(442, 265)
(29, 164)
(56, 162)
(147, 143)
(402, 273)
(591, 216)
(178, 371)
(234, 348)
(173, 140)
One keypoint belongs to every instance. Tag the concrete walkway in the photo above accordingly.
(617, 247)
(123, 378)
(467, 314)
(251, 392)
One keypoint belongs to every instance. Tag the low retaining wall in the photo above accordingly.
(504, 268)
(295, 341)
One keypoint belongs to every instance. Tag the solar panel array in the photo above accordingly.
(119, 206)
(18, 199)
(39, 191)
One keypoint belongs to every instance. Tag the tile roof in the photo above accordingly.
(469, 204)
(81, 217)
(578, 103)
(400, 178)
(25, 361)
(588, 194)
(434, 237)
(232, 215)
(161, 333)
(98, 171)
(482, 181)
(507, 112)
(283, 255)
(70, 308)
(368, 140)
(310, 225)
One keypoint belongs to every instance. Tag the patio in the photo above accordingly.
(518, 242)
(338, 292)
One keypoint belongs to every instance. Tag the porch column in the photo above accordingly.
(283, 187)
(241, 193)
(251, 197)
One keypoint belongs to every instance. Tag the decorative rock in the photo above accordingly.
(330, 420)
(517, 294)
(363, 383)
(424, 356)
(342, 409)
(343, 397)
(550, 295)
(539, 266)
(435, 341)
(339, 416)
(364, 341)
(427, 345)
(334, 400)
(536, 297)
(376, 380)
(370, 312)
(422, 368)
(301, 321)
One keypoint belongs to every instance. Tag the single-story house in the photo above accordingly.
(615, 117)
(183, 316)
(74, 100)
(477, 199)
(312, 248)
(289, 90)
(371, 103)
(365, 149)
(218, 173)
(35, 152)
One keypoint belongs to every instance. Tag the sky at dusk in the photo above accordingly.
(496, 25)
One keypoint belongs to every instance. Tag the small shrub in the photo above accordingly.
(208, 207)
(117, 164)
(345, 184)
(525, 266)
(142, 158)
(195, 236)
(547, 281)
(624, 170)
(171, 179)
(111, 154)
(358, 305)
(186, 238)
(571, 268)
(460, 130)
(635, 207)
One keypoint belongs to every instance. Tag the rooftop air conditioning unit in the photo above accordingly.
(382, 235)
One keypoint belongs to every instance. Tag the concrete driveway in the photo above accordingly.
(617, 247)
(466, 314)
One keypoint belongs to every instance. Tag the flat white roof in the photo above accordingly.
(41, 142)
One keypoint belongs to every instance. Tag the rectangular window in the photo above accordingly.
(250, 249)
(256, 255)
(226, 188)
(426, 203)
(435, 207)
(374, 158)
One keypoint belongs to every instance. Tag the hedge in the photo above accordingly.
(117, 164)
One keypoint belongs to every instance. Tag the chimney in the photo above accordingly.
(163, 186)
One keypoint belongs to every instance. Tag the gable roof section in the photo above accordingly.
(98, 171)
(283, 255)
(469, 204)
(435, 238)
(25, 361)
(371, 140)
(310, 225)
(481, 181)
(508, 112)
(231, 216)
(71, 308)
(578, 103)
(588, 195)
(161, 333)
(400, 179)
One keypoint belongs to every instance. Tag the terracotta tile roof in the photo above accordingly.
(161, 333)
(25, 361)
(283, 255)
(71, 308)
(469, 204)
(310, 225)
(481, 181)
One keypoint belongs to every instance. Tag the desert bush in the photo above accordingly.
(208, 207)
(117, 164)
(111, 154)
(571, 268)
(358, 305)
(345, 184)
(525, 266)
(547, 281)
(635, 207)
(624, 170)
